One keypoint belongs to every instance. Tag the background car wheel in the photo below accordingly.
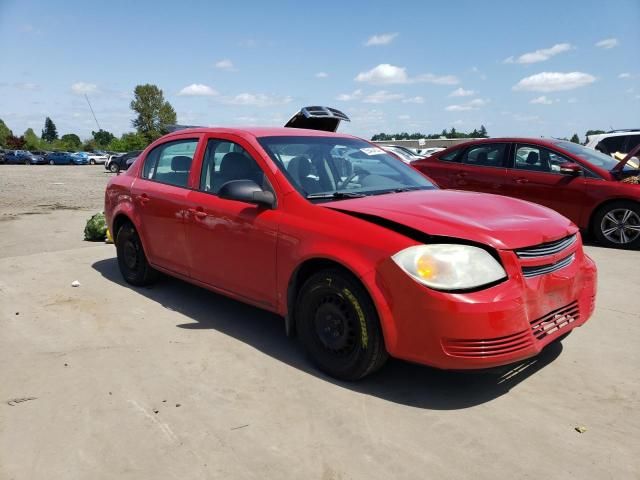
(27, 162)
(92, 162)
(131, 258)
(114, 168)
(618, 225)
(51, 162)
(338, 325)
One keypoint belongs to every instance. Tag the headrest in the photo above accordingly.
(299, 167)
(532, 158)
(180, 163)
(482, 157)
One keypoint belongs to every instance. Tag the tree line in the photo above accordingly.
(453, 133)
(153, 117)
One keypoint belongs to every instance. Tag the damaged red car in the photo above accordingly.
(362, 255)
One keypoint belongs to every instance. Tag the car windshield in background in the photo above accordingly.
(334, 168)
(594, 157)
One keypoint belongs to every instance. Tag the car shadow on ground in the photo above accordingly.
(398, 381)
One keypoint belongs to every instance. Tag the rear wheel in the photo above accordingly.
(131, 258)
(338, 325)
(114, 167)
(618, 225)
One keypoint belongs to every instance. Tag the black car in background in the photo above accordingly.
(121, 162)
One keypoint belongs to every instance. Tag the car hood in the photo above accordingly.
(501, 222)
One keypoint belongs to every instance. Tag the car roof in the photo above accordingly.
(259, 132)
(549, 142)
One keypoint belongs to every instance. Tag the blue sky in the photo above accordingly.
(549, 68)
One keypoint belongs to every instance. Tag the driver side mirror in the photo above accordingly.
(247, 191)
(569, 168)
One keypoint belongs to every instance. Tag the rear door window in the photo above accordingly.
(170, 162)
(486, 155)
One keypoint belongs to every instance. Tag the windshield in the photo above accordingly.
(335, 167)
(594, 157)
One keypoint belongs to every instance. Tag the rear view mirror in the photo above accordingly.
(569, 168)
(247, 191)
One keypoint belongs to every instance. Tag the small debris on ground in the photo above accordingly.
(177, 404)
(164, 401)
(15, 401)
(156, 411)
(75, 283)
(241, 426)
(580, 429)
(17, 313)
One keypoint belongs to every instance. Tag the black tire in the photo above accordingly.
(114, 167)
(612, 229)
(27, 162)
(338, 325)
(132, 260)
(51, 162)
(92, 162)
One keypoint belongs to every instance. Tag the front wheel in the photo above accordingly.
(338, 325)
(114, 167)
(132, 260)
(618, 225)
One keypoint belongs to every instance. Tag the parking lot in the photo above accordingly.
(110, 381)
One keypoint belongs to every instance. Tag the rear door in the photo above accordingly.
(534, 175)
(483, 168)
(442, 169)
(160, 196)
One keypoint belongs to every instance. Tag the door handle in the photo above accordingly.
(521, 180)
(198, 212)
(144, 199)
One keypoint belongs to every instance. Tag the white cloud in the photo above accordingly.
(607, 43)
(226, 65)
(27, 86)
(386, 74)
(404, 117)
(474, 104)
(554, 81)
(540, 55)
(382, 39)
(257, 100)
(541, 100)
(197, 90)
(417, 99)
(624, 75)
(347, 97)
(461, 92)
(382, 96)
(322, 75)
(82, 88)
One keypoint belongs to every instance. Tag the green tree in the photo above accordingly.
(593, 132)
(70, 142)
(49, 132)
(102, 138)
(575, 138)
(5, 133)
(483, 132)
(89, 145)
(154, 113)
(31, 140)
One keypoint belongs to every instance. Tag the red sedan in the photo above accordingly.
(361, 254)
(586, 186)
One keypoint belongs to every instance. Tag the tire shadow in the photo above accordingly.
(398, 381)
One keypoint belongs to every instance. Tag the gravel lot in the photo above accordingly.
(108, 381)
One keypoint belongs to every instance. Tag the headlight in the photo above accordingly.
(450, 266)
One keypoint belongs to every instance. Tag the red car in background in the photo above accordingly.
(586, 186)
(362, 255)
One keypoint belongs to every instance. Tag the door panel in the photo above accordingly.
(232, 244)
(483, 168)
(535, 177)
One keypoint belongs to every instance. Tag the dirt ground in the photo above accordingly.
(108, 381)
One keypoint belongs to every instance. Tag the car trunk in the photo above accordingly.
(325, 119)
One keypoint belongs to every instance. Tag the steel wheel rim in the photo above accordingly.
(335, 325)
(621, 226)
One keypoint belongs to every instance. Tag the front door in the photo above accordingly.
(232, 243)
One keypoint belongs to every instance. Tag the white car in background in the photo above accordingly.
(426, 152)
(404, 154)
(615, 141)
(96, 158)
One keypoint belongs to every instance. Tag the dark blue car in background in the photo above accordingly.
(65, 158)
(23, 156)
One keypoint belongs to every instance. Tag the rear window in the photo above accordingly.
(486, 155)
(452, 156)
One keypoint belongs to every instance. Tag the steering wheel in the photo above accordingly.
(356, 172)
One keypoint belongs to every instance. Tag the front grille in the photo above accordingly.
(537, 270)
(555, 320)
(549, 248)
(479, 348)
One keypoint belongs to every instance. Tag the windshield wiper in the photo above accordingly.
(400, 190)
(335, 195)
